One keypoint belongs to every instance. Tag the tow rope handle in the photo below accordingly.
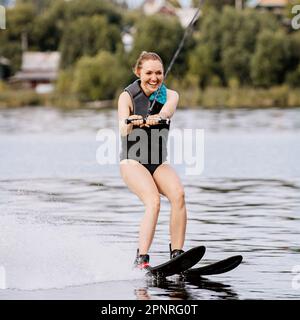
(161, 121)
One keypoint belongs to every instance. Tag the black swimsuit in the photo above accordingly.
(147, 145)
(151, 167)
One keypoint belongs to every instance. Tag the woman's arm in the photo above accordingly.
(124, 103)
(166, 111)
(170, 106)
(124, 108)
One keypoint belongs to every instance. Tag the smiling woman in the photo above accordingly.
(144, 152)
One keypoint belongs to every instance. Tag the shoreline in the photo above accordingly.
(209, 98)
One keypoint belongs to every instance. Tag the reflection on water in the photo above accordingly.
(179, 289)
(67, 222)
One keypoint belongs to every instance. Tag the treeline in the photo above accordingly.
(229, 48)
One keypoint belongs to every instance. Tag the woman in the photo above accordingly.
(143, 176)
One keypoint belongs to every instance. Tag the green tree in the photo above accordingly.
(39, 5)
(86, 36)
(204, 60)
(162, 35)
(293, 77)
(49, 26)
(268, 64)
(20, 20)
(226, 42)
(218, 4)
(293, 69)
(93, 80)
(78, 8)
(239, 29)
(201, 64)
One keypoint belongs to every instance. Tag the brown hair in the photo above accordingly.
(145, 56)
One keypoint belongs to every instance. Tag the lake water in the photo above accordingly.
(69, 226)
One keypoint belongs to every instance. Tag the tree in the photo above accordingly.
(201, 64)
(293, 68)
(218, 4)
(49, 26)
(161, 34)
(268, 64)
(20, 20)
(39, 5)
(86, 36)
(293, 77)
(93, 80)
(204, 59)
(239, 29)
(78, 8)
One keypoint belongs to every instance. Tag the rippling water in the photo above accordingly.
(69, 227)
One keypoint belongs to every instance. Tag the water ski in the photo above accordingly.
(179, 264)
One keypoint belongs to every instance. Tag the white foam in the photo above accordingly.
(39, 256)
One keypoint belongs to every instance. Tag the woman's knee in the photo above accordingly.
(153, 203)
(177, 198)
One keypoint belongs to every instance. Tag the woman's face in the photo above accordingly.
(151, 75)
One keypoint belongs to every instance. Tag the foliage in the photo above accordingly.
(229, 48)
(268, 64)
(162, 35)
(93, 80)
(88, 35)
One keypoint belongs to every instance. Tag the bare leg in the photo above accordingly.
(139, 181)
(168, 183)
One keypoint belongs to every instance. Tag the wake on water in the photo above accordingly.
(35, 256)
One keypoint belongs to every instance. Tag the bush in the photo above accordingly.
(268, 64)
(293, 78)
(98, 78)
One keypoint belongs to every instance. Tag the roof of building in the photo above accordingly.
(154, 6)
(38, 66)
(186, 15)
(42, 61)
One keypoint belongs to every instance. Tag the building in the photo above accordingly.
(275, 6)
(158, 6)
(127, 39)
(184, 14)
(39, 71)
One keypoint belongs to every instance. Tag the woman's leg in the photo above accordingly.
(168, 183)
(139, 181)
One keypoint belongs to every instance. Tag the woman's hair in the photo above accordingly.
(145, 56)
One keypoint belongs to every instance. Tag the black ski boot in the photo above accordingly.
(142, 261)
(174, 253)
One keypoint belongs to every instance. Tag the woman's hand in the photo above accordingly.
(136, 120)
(152, 120)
